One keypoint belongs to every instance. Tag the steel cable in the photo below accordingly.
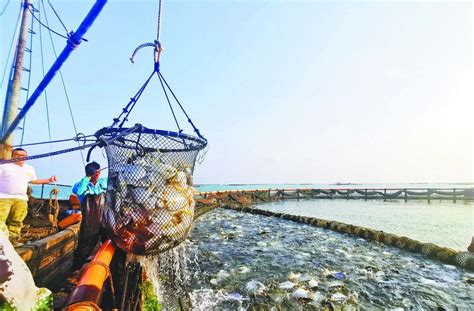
(62, 81)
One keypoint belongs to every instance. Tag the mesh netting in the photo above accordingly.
(150, 204)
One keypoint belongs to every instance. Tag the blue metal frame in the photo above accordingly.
(113, 131)
(72, 43)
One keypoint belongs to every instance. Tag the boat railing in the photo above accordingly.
(45, 189)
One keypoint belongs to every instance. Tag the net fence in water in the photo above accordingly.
(150, 204)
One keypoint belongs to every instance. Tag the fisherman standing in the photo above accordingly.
(14, 179)
(90, 192)
(90, 184)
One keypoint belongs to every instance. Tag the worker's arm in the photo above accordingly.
(44, 181)
(81, 187)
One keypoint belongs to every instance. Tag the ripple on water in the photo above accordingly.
(273, 263)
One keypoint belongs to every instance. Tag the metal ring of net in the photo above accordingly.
(149, 202)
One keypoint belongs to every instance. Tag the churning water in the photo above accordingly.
(243, 261)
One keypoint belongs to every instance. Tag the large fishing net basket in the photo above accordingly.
(149, 202)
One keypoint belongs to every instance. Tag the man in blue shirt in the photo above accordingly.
(90, 194)
(91, 183)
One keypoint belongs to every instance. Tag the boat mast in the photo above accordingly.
(74, 40)
(12, 98)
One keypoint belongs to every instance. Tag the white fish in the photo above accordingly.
(182, 179)
(379, 275)
(244, 269)
(336, 284)
(176, 203)
(305, 277)
(235, 296)
(313, 283)
(339, 297)
(222, 274)
(140, 196)
(294, 276)
(213, 281)
(300, 294)
(432, 283)
(255, 287)
(165, 170)
(317, 297)
(162, 217)
(389, 282)
(287, 285)
(131, 173)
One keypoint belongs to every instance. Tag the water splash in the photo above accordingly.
(169, 274)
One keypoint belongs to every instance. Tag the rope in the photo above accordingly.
(11, 45)
(4, 8)
(202, 155)
(169, 104)
(41, 6)
(132, 58)
(158, 49)
(131, 104)
(55, 32)
(99, 263)
(42, 67)
(159, 22)
(100, 142)
(62, 79)
(156, 44)
(79, 137)
(49, 154)
(59, 18)
(196, 130)
(53, 218)
(29, 78)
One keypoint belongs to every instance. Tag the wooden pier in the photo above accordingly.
(385, 194)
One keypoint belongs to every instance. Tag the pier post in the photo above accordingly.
(429, 196)
(454, 195)
(365, 197)
(384, 195)
(297, 194)
(406, 195)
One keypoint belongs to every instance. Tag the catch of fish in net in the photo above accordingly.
(150, 204)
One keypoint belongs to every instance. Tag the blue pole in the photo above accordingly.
(72, 43)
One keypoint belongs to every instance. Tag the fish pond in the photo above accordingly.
(239, 261)
(443, 223)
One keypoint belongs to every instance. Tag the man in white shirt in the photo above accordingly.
(14, 179)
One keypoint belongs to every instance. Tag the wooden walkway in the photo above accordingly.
(405, 194)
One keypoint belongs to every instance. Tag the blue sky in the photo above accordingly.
(285, 91)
